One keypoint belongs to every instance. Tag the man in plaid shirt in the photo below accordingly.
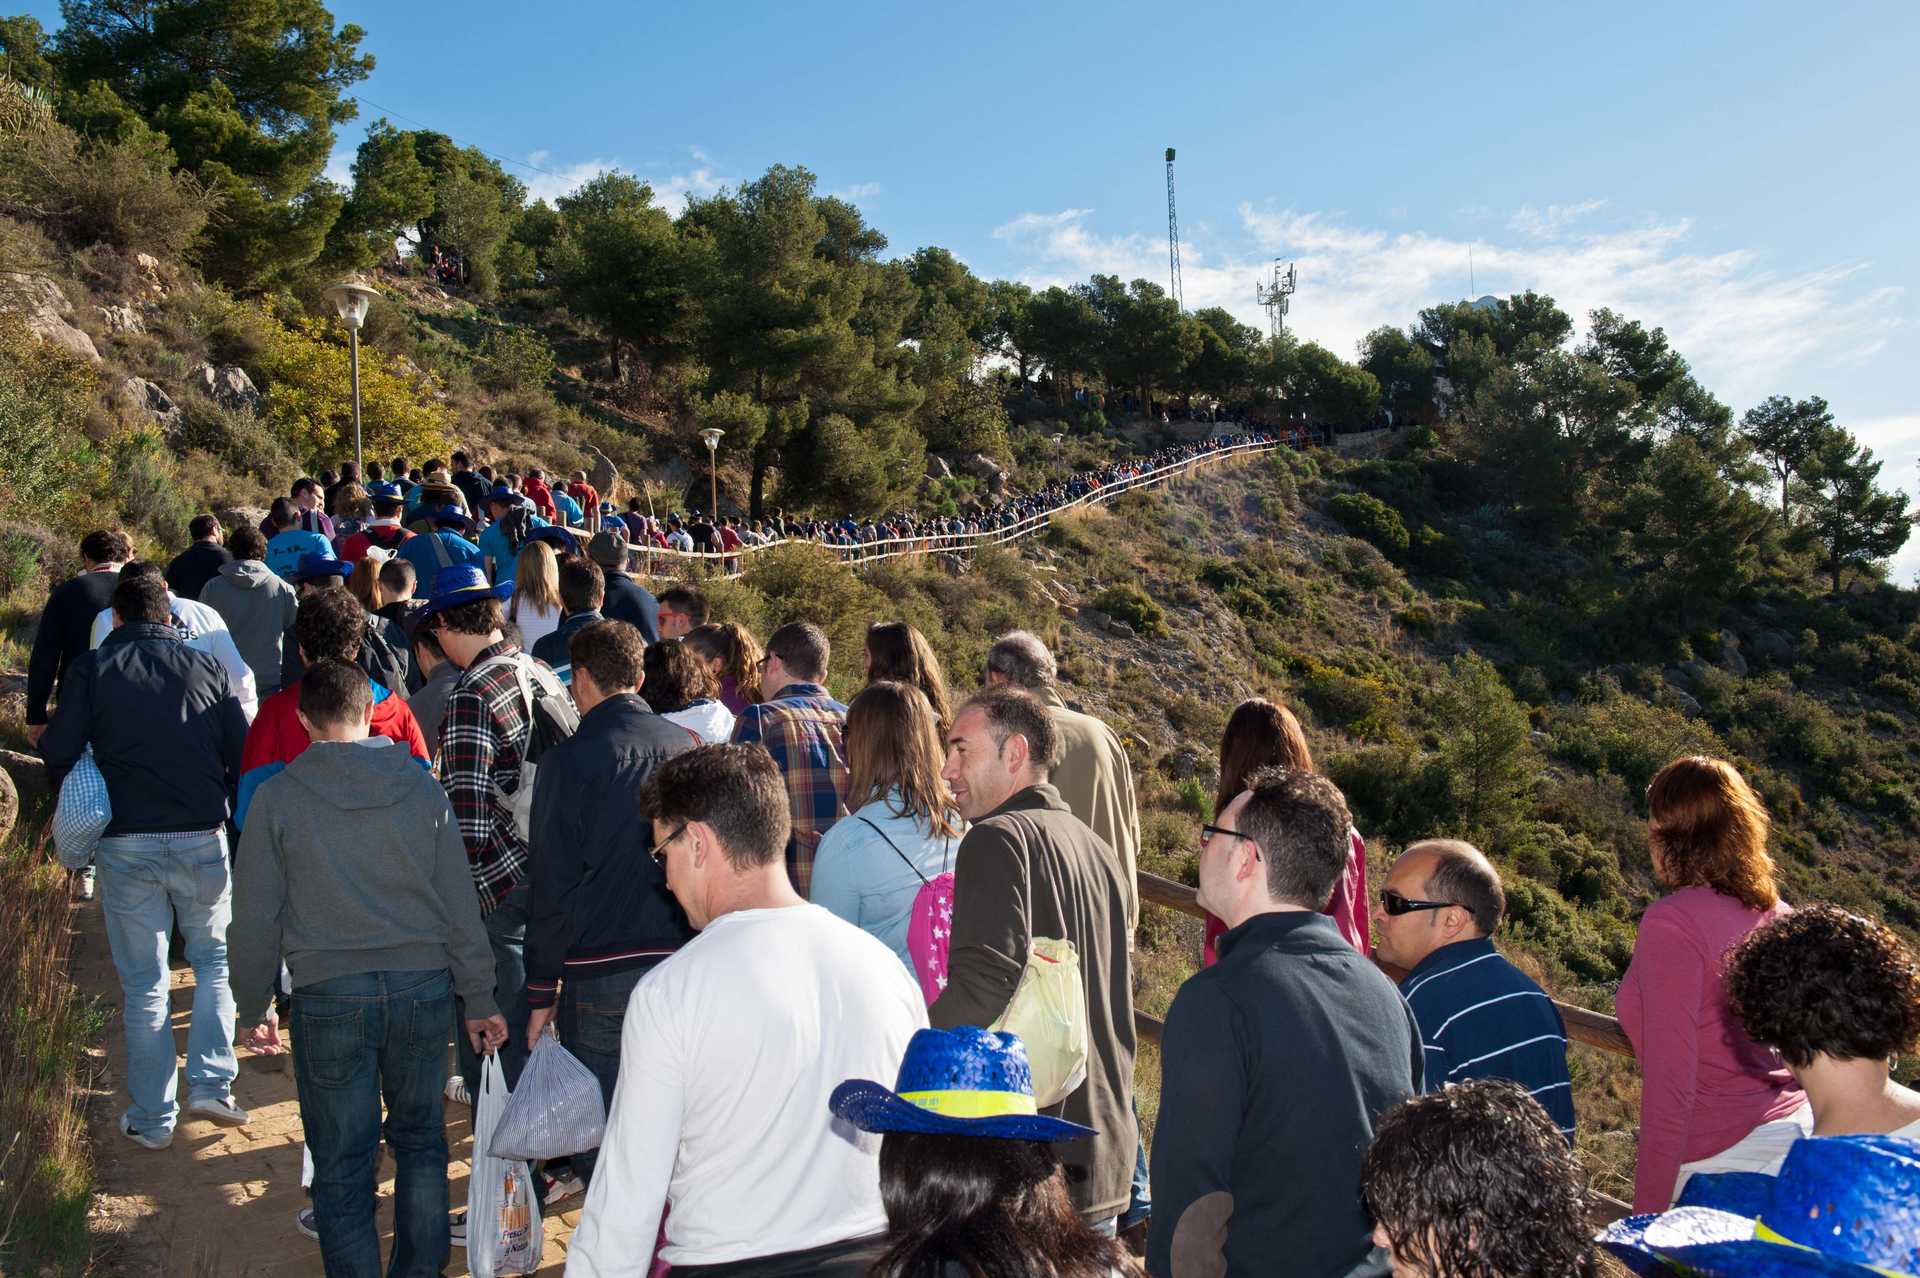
(805, 731)
(482, 740)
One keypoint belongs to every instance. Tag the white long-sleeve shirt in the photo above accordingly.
(727, 1056)
(206, 630)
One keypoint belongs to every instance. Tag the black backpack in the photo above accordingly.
(381, 662)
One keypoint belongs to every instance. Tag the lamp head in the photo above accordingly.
(712, 435)
(351, 298)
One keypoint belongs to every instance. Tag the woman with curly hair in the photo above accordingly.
(1838, 997)
(1475, 1181)
(1704, 1083)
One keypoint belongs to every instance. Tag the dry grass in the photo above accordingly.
(46, 1168)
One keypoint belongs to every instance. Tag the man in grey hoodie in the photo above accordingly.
(352, 867)
(258, 606)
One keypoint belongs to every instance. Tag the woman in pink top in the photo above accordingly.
(1260, 735)
(1704, 1083)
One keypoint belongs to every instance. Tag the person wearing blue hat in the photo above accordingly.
(442, 545)
(320, 572)
(1841, 1205)
(513, 526)
(968, 1170)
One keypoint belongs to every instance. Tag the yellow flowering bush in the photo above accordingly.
(309, 404)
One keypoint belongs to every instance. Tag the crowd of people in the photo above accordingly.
(856, 978)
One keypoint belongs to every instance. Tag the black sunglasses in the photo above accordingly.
(659, 850)
(1395, 904)
(1209, 832)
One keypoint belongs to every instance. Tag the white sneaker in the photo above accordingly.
(307, 1223)
(83, 884)
(456, 1090)
(220, 1109)
(457, 1228)
(144, 1140)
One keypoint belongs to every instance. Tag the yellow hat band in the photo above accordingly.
(972, 1104)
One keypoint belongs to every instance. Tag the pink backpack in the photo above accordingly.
(929, 923)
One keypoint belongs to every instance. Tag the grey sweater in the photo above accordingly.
(258, 608)
(352, 862)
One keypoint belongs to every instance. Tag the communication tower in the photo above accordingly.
(1276, 298)
(1173, 236)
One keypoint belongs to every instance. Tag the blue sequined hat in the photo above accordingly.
(1844, 1205)
(449, 517)
(459, 584)
(958, 1082)
(313, 566)
(561, 539)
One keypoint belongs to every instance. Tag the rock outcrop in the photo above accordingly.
(148, 399)
(47, 310)
(228, 386)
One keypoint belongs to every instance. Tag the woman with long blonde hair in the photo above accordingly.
(535, 607)
(733, 655)
(900, 829)
(1705, 1083)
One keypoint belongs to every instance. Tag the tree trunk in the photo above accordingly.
(613, 354)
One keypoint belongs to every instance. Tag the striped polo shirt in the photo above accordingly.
(1482, 1017)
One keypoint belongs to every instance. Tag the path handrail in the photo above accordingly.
(1584, 1025)
(641, 560)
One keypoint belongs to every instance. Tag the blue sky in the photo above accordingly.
(1741, 175)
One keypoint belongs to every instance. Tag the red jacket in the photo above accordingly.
(540, 495)
(388, 537)
(277, 738)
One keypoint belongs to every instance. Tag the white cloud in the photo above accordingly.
(339, 168)
(1547, 223)
(858, 191)
(670, 193)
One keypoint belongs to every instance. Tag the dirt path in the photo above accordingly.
(221, 1201)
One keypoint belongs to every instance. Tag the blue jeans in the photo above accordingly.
(148, 884)
(360, 1040)
(1140, 1197)
(591, 1013)
(507, 931)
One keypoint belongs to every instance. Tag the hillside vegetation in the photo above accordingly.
(1572, 564)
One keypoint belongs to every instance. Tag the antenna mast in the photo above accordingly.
(1173, 236)
(1276, 298)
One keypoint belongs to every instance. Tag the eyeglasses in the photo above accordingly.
(659, 850)
(1209, 832)
(1395, 904)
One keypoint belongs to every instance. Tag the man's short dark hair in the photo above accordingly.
(613, 652)
(583, 587)
(481, 617)
(1300, 820)
(201, 527)
(1462, 874)
(1022, 660)
(281, 515)
(333, 693)
(1476, 1179)
(330, 625)
(1017, 712)
(106, 546)
(459, 458)
(736, 789)
(1822, 980)
(385, 504)
(139, 568)
(246, 542)
(803, 649)
(687, 600)
(304, 484)
(425, 640)
(141, 597)
(398, 575)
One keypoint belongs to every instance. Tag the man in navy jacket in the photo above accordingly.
(599, 915)
(166, 731)
(1277, 1060)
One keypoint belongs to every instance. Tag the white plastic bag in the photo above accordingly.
(556, 1111)
(503, 1221)
(1049, 1013)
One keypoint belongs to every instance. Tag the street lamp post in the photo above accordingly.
(351, 298)
(1058, 439)
(712, 435)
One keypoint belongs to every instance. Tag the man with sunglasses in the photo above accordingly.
(1479, 1015)
(1278, 1059)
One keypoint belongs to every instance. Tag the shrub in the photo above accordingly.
(45, 390)
(1365, 515)
(1126, 602)
(236, 436)
(117, 192)
(309, 409)
(142, 480)
(515, 358)
(803, 582)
